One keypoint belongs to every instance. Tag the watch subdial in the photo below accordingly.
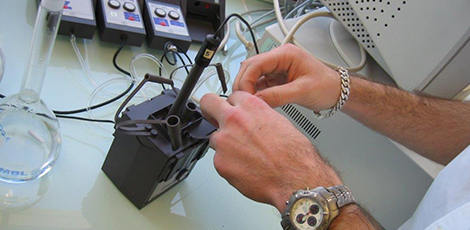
(300, 218)
(314, 209)
(312, 221)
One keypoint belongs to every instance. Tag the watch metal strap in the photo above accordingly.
(343, 195)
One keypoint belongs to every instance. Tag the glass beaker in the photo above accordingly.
(30, 137)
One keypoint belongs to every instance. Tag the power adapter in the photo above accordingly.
(165, 21)
(118, 19)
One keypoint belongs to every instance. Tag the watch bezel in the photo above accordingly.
(315, 195)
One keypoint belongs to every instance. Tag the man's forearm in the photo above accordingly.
(351, 217)
(435, 128)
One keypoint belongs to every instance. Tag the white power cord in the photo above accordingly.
(314, 14)
(338, 47)
(227, 27)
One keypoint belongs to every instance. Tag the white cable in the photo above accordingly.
(338, 47)
(248, 45)
(297, 8)
(314, 14)
(254, 24)
(227, 27)
(246, 9)
(280, 20)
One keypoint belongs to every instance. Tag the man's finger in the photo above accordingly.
(213, 140)
(214, 108)
(238, 97)
(275, 61)
(279, 95)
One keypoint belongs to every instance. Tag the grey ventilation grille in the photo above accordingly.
(379, 12)
(345, 13)
(307, 126)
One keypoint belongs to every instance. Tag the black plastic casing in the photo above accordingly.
(81, 28)
(157, 39)
(204, 17)
(110, 32)
(145, 167)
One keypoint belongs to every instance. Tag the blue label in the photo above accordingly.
(12, 172)
(161, 21)
(132, 17)
(176, 23)
(3, 133)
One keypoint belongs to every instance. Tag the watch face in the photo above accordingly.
(306, 214)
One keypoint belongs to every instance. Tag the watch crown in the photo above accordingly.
(287, 202)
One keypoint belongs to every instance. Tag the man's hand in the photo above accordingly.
(288, 74)
(260, 153)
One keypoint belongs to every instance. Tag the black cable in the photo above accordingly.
(244, 22)
(179, 57)
(181, 51)
(85, 119)
(112, 99)
(76, 118)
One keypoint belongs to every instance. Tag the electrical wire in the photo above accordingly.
(227, 29)
(314, 14)
(85, 119)
(99, 89)
(112, 99)
(217, 32)
(338, 47)
(76, 118)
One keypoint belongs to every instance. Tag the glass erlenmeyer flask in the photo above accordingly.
(30, 139)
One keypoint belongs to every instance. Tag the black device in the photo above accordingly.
(144, 167)
(157, 143)
(78, 18)
(118, 19)
(204, 17)
(165, 21)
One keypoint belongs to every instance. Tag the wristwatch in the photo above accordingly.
(315, 209)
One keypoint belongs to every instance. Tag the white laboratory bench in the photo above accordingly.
(76, 194)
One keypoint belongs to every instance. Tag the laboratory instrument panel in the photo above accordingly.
(165, 22)
(120, 20)
(157, 21)
(78, 18)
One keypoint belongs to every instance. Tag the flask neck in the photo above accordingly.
(42, 43)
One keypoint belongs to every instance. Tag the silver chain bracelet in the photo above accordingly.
(345, 85)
